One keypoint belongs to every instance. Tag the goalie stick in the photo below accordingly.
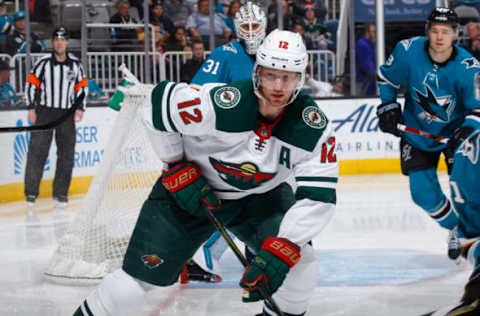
(239, 255)
(415, 131)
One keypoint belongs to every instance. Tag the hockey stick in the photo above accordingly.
(415, 131)
(240, 256)
(49, 125)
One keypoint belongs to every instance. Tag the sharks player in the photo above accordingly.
(465, 196)
(233, 147)
(234, 60)
(227, 63)
(440, 92)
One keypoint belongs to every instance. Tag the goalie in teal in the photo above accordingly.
(233, 148)
(234, 61)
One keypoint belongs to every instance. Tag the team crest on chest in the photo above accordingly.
(244, 175)
(313, 117)
(227, 97)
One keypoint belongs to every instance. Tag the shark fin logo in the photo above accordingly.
(435, 108)
(470, 148)
(244, 176)
(152, 261)
(20, 150)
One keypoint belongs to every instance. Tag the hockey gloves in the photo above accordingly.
(189, 188)
(459, 135)
(269, 267)
(389, 115)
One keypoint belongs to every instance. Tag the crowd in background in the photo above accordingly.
(184, 25)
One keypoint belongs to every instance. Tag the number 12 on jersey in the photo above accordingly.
(188, 117)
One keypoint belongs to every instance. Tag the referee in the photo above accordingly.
(56, 86)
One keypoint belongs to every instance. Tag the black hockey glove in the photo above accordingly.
(389, 115)
(459, 135)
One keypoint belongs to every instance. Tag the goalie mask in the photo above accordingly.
(282, 50)
(250, 25)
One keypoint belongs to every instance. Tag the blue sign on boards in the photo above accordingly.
(394, 10)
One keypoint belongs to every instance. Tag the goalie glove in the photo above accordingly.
(189, 188)
(269, 267)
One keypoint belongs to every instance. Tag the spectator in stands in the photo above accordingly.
(287, 17)
(314, 29)
(8, 96)
(178, 41)
(298, 28)
(198, 25)
(472, 43)
(178, 11)
(191, 66)
(158, 17)
(300, 6)
(366, 61)
(230, 17)
(6, 25)
(16, 42)
(125, 38)
(139, 5)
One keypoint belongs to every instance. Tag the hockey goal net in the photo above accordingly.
(96, 240)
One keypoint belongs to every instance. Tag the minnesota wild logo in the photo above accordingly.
(243, 176)
(227, 97)
(152, 261)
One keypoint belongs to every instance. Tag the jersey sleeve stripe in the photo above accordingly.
(384, 80)
(326, 195)
(317, 184)
(160, 94)
(33, 80)
(317, 179)
(82, 84)
(168, 109)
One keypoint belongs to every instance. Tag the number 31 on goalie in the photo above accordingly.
(188, 116)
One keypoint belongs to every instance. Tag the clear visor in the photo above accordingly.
(278, 80)
(250, 30)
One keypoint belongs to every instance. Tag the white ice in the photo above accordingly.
(380, 255)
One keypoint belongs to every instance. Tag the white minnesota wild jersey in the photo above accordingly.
(240, 154)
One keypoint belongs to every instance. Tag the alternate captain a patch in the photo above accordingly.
(227, 97)
(244, 176)
(313, 117)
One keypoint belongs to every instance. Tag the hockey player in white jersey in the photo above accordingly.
(241, 142)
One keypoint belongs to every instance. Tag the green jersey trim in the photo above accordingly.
(169, 116)
(157, 100)
(317, 179)
(326, 195)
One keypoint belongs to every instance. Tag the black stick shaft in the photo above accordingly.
(240, 257)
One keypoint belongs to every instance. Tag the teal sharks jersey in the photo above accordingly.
(225, 64)
(437, 96)
(464, 179)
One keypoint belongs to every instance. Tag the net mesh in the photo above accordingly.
(97, 238)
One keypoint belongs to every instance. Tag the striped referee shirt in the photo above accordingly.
(58, 85)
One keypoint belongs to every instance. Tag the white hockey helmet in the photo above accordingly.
(250, 25)
(282, 50)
